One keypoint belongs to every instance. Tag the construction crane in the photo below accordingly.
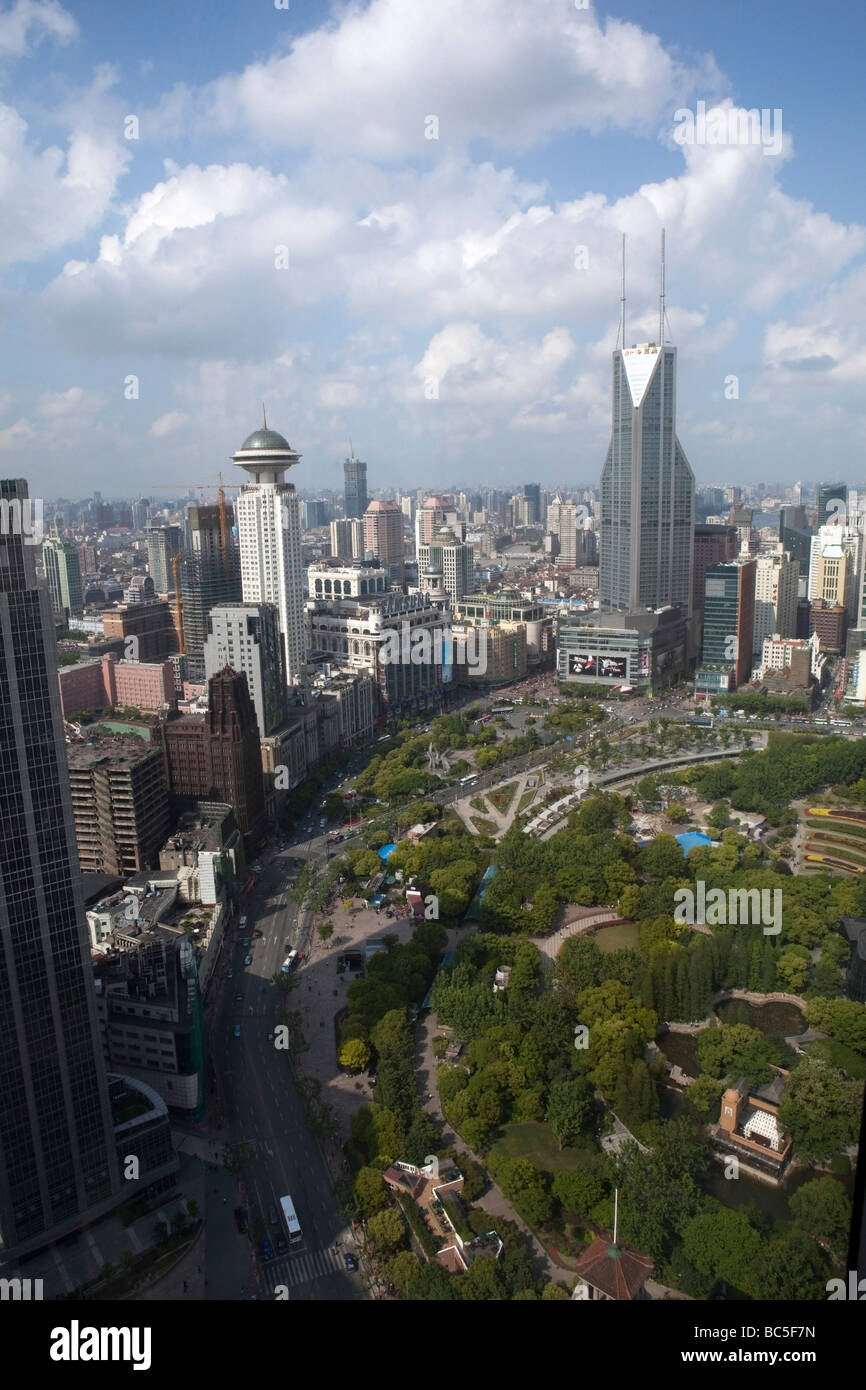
(178, 607)
(222, 488)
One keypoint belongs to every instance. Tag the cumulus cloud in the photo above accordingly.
(27, 22)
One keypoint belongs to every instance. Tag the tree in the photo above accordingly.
(553, 1293)
(791, 1269)
(822, 1210)
(370, 1191)
(735, 1049)
(325, 930)
(482, 1281)
(820, 1109)
(402, 1272)
(386, 1229)
(723, 1244)
(705, 1093)
(568, 1109)
(354, 1054)
(578, 1192)
(433, 1283)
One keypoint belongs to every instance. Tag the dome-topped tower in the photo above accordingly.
(266, 455)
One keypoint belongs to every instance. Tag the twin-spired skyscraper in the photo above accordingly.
(647, 485)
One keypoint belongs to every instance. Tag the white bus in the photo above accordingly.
(290, 1221)
(467, 781)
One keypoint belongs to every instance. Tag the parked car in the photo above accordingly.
(350, 1262)
(237, 1030)
(248, 960)
(239, 998)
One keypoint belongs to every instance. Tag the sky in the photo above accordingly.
(401, 223)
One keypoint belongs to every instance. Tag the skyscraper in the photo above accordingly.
(355, 487)
(63, 573)
(832, 502)
(163, 543)
(647, 485)
(383, 534)
(269, 537)
(446, 563)
(58, 1163)
(209, 574)
(246, 637)
(532, 493)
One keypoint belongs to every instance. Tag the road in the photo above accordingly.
(264, 1113)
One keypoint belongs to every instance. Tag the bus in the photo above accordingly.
(290, 1221)
(467, 781)
(289, 962)
(501, 709)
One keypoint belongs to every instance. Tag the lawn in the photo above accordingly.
(484, 827)
(502, 797)
(535, 1141)
(525, 799)
(612, 938)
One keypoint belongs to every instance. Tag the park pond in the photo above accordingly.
(774, 1018)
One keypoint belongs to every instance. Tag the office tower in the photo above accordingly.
(140, 513)
(163, 543)
(119, 805)
(532, 493)
(315, 514)
(209, 574)
(429, 519)
(832, 502)
(217, 756)
(776, 586)
(58, 1162)
(104, 515)
(145, 629)
(269, 536)
(246, 637)
(383, 535)
(729, 618)
(347, 538)
(792, 516)
(835, 561)
(647, 485)
(446, 563)
(140, 590)
(63, 574)
(354, 487)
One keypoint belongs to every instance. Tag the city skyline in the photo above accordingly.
(436, 279)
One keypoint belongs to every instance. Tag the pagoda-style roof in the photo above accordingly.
(615, 1270)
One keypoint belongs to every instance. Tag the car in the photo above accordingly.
(350, 1262)
(237, 1030)
(267, 1249)
(273, 1215)
(239, 998)
(246, 941)
(281, 1245)
(248, 960)
(229, 974)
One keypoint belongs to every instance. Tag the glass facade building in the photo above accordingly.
(58, 1165)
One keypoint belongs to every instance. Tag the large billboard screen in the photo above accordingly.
(597, 665)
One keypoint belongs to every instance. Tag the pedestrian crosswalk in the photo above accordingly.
(299, 1269)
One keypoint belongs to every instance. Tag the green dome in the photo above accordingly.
(266, 439)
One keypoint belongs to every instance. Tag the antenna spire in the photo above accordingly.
(622, 297)
(264, 417)
(662, 295)
(351, 448)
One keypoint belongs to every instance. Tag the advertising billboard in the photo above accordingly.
(595, 664)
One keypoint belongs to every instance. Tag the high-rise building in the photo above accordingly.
(446, 563)
(145, 629)
(58, 1160)
(246, 637)
(776, 588)
(714, 545)
(315, 514)
(647, 487)
(729, 618)
(269, 537)
(832, 502)
(347, 538)
(532, 493)
(354, 487)
(60, 558)
(209, 574)
(835, 561)
(119, 805)
(163, 543)
(383, 534)
(430, 518)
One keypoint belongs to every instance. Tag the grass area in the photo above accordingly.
(502, 797)
(613, 938)
(535, 1141)
(478, 804)
(484, 827)
(526, 799)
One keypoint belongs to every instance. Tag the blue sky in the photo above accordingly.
(450, 303)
